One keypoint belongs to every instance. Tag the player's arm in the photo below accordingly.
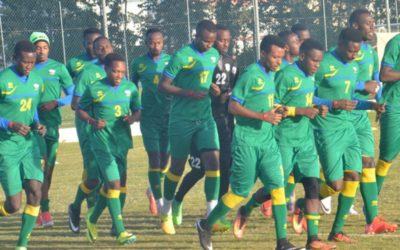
(67, 86)
(79, 89)
(236, 104)
(390, 58)
(135, 77)
(135, 107)
(85, 104)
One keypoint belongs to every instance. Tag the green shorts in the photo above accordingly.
(338, 151)
(363, 129)
(110, 166)
(155, 134)
(49, 145)
(203, 134)
(252, 162)
(89, 160)
(19, 161)
(301, 160)
(389, 146)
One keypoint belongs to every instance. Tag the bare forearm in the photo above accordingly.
(237, 109)
(389, 75)
(83, 115)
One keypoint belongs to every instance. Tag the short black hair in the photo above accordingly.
(296, 28)
(270, 40)
(356, 15)
(284, 35)
(152, 31)
(23, 46)
(97, 40)
(222, 27)
(350, 35)
(113, 57)
(205, 25)
(90, 31)
(310, 44)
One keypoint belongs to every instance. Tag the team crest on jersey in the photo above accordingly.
(10, 85)
(213, 59)
(100, 96)
(52, 72)
(355, 70)
(36, 86)
(259, 86)
(332, 68)
(227, 67)
(142, 67)
(128, 93)
(98, 75)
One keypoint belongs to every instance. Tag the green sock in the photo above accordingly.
(170, 183)
(382, 169)
(280, 212)
(44, 205)
(217, 213)
(92, 197)
(289, 189)
(379, 182)
(369, 192)
(250, 205)
(79, 197)
(114, 207)
(29, 218)
(122, 199)
(98, 207)
(344, 205)
(312, 225)
(211, 185)
(155, 184)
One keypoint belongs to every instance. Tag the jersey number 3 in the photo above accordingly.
(118, 111)
(26, 105)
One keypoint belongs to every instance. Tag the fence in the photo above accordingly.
(125, 22)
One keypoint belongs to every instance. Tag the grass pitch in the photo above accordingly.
(259, 234)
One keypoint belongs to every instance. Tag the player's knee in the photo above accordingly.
(34, 195)
(351, 176)
(114, 185)
(91, 184)
(210, 159)
(337, 186)
(311, 188)
(14, 206)
(261, 195)
(368, 162)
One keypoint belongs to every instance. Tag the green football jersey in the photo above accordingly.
(19, 99)
(55, 78)
(368, 64)
(254, 90)
(335, 80)
(112, 104)
(391, 58)
(295, 89)
(91, 74)
(192, 70)
(76, 64)
(148, 72)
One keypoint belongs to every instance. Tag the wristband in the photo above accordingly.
(10, 125)
(291, 111)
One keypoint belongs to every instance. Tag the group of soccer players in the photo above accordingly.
(297, 115)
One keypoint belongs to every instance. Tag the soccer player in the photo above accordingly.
(90, 176)
(56, 79)
(294, 89)
(76, 64)
(224, 78)
(301, 31)
(292, 47)
(148, 70)
(110, 106)
(368, 78)
(389, 146)
(339, 152)
(20, 167)
(188, 77)
(255, 153)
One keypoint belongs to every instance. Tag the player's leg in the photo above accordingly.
(243, 176)
(389, 146)
(225, 140)
(190, 179)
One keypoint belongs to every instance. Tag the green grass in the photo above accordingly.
(259, 235)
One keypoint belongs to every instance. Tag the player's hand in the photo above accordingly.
(215, 90)
(379, 108)
(323, 110)
(130, 119)
(19, 128)
(41, 129)
(344, 104)
(272, 116)
(371, 87)
(49, 106)
(224, 97)
(195, 95)
(308, 112)
(97, 124)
